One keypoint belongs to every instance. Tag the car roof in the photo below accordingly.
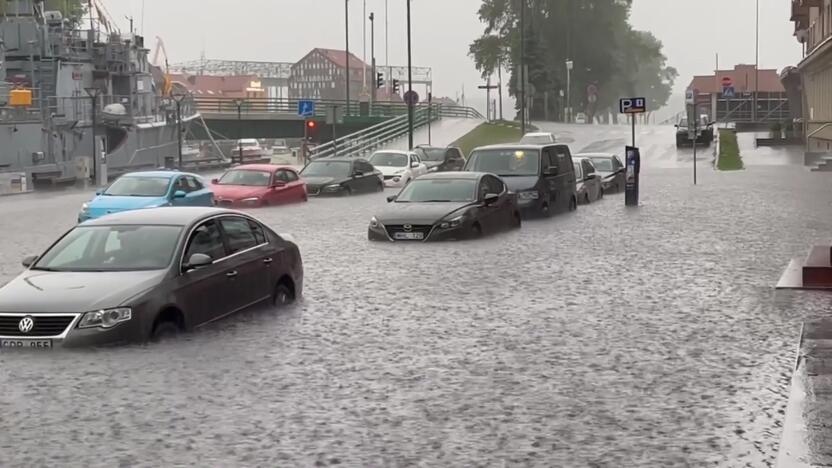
(391, 151)
(594, 155)
(347, 160)
(168, 174)
(452, 175)
(262, 167)
(169, 216)
(538, 134)
(515, 146)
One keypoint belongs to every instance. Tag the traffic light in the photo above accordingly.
(396, 86)
(379, 80)
(310, 131)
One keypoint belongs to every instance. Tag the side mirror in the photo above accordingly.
(414, 165)
(357, 174)
(491, 198)
(215, 181)
(279, 184)
(392, 198)
(179, 194)
(29, 261)
(198, 260)
(98, 192)
(552, 170)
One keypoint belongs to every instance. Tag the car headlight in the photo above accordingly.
(332, 188)
(528, 195)
(374, 223)
(452, 223)
(85, 207)
(107, 318)
(251, 200)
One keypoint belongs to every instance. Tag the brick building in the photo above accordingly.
(207, 86)
(772, 101)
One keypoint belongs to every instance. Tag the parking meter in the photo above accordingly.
(633, 168)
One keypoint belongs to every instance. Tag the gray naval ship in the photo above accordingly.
(50, 70)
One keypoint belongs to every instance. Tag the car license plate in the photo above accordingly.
(25, 344)
(409, 236)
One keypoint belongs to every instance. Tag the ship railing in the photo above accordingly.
(141, 108)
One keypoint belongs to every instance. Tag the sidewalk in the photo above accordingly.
(807, 432)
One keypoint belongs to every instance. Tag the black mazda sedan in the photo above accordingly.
(341, 177)
(146, 274)
(447, 206)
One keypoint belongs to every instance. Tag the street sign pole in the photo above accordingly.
(695, 131)
(633, 118)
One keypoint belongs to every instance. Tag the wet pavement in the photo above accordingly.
(606, 338)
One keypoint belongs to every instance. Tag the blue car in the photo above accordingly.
(151, 189)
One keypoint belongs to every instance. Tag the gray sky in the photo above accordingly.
(693, 31)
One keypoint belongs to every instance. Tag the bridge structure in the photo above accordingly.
(275, 75)
(229, 118)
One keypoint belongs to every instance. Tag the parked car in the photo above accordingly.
(341, 177)
(398, 167)
(447, 206)
(258, 185)
(538, 138)
(610, 168)
(704, 133)
(588, 187)
(149, 189)
(253, 152)
(580, 118)
(440, 159)
(147, 274)
(542, 175)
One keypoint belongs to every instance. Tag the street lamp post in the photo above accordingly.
(409, 82)
(347, 33)
(178, 97)
(569, 65)
(373, 58)
(94, 93)
(523, 67)
(239, 103)
(756, 67)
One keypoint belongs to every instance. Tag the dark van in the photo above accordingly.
(542, 176)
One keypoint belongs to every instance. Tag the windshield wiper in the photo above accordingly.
(437, 201)
(44, 269)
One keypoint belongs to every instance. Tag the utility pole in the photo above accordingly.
(373, 58)
(347, 31)
(500, 85)
(756, 67)
(488, 87)
(364, 40)
(569, 66)
(522, 67)
(409, 81)
(387, 45)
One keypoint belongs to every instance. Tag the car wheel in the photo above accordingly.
(164, 331)
(380, 187)
(282, 295)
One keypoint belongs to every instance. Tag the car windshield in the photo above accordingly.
(577, 167)
(602, 164)
(439, 190)
(432, 154)
(139, 187)
(683, 123)
(389, 160)
(326, 169)
(506, 162)
(245, 177)
(536, 139)
(112, 248)
(249, 143)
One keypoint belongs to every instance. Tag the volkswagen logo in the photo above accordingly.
(26, 324)
(407, 227)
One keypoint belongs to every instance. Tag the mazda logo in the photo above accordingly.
(26, 324)
(408, 227)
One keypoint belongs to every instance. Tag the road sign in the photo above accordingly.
(411, 98)
(728, 92)
(633, 105)
(592, 98)
(727, 81)
(690, 97)
(334, 115)
(306, 108)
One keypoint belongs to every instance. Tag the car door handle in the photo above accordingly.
(232, 274)
(268, 260)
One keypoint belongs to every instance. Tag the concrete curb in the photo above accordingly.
(11, 194)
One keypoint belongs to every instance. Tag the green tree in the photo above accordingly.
(594, 34)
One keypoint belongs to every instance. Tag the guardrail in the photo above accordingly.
(208, 105)
(366, 141)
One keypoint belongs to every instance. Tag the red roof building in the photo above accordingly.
(743, 78)
(320, 75)
(206, 86)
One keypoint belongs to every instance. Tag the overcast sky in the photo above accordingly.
(693, 31)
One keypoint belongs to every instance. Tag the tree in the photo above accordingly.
(594, 34)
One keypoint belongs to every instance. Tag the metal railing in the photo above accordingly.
(364, 142)
(208, 105)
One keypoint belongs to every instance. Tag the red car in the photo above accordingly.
(258, 185)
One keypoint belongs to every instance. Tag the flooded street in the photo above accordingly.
(605, 338)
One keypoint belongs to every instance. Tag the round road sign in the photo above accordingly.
(727, 81)
(411, 98)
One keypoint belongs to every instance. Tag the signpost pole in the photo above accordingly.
(633, 118)
(695, 131)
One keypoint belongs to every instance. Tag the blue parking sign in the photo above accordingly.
(306, 108)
